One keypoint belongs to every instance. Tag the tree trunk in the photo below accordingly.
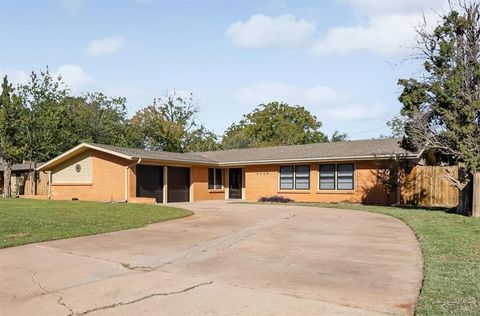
(464, 195)
(476, 195)
(465, 200)
(7, 177)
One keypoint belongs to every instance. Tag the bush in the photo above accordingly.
(275, 199)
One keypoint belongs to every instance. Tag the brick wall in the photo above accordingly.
(263, 180)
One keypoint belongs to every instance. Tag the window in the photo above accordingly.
(345, 176)
(215, 179)
(302, 177)
(327, 177)
(336, 177)
(286, 178)
(297, 177)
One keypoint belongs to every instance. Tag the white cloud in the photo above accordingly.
(72, 7)
(380, 26)
(262, 31)
(321, 100)
(14, 76)
(106, 46)
(384, 27)
(76, 78)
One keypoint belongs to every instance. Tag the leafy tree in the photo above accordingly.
(97, 118)
(201, 139)
(169, 124)
(13, 144)
(274, 124)
(338, 137)
(397, 126)
(442, 107)
(48, 129)
(236, 137)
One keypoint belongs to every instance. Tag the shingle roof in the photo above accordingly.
(346, 150)
(157, 155)
(336, 150)
(21, 166)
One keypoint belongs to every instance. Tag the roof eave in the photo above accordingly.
(52, 162)
(300, 160)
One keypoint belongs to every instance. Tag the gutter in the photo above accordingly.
(298, 160)
(127, 184)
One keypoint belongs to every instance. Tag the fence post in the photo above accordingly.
(476, 195)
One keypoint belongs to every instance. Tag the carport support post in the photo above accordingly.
(165, 185)
(227, 179)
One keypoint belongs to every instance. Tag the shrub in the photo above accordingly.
(275, 199)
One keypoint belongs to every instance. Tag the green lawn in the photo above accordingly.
(451, 252)
(24, 221)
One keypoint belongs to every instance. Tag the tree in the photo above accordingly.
(13, 144)
(96, 118)
(274, 124)
(48, 129)
(397, 126)
(201, 139)
(169, 124)
(388, 175)
(442, 108)
(338, 137)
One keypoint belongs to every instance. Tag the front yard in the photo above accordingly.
(451, 252)
(24, 221)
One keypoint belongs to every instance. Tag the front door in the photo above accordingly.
(235, 183)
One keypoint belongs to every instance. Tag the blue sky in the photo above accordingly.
(341, 59)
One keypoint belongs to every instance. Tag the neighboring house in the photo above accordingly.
(327, 172)
(21, 181)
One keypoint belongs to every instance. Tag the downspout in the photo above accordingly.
(127, 167)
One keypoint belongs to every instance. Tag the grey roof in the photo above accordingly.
(22, 166)
(336, 150)
(157, 155)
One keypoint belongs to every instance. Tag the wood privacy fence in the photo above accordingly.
(429, 186)
(42, 183)
(22, 183)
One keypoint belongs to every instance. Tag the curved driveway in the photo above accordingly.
(227, 259)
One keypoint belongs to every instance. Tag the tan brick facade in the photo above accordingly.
(263, 180)
(108, 182)
(200, 185)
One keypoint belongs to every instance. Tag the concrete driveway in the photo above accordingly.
(227, 259)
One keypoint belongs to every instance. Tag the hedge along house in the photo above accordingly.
(326, 172)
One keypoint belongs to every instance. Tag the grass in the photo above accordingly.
(24, 221)
(451, 250)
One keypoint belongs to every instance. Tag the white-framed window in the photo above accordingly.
(295, 177)
(336, 176)
(326, 175)
(215, 176)
(302, 177)
(286, 177)
(345, 176)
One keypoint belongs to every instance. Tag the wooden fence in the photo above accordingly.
(42, 183)
(429, 186)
